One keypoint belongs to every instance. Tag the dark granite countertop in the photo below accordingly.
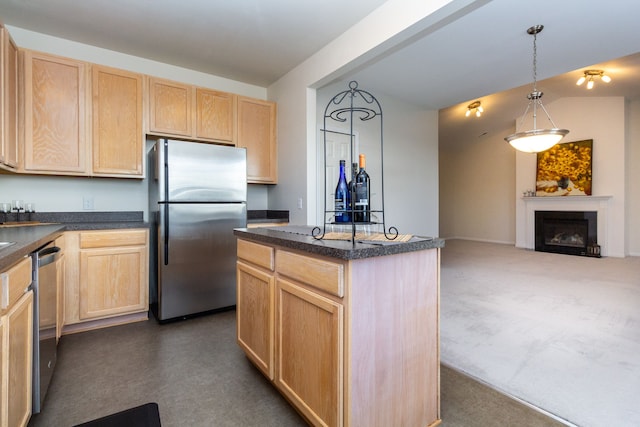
(267, 216)
(27, 240)
(299, 237)
(81, 220)
(30, 231)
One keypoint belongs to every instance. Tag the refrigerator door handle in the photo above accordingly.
(166, 199)
(166, 234)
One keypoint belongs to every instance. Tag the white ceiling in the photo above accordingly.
(483, 54)
(252, 41)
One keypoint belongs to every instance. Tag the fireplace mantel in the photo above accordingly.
(599, 204)
(567, 199)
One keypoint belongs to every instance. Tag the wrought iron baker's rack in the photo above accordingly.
(343, 108)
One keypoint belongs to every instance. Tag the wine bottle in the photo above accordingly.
(352, 188)
(362, 207)
(342, 197)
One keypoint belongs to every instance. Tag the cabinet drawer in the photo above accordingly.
(111, 238)
(15, 282)
(255, 253)
(325, 275)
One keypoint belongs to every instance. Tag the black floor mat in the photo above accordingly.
(146, 415)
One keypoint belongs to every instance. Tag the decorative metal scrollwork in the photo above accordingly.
(363, 106)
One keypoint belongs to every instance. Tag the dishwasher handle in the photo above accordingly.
(48, 255)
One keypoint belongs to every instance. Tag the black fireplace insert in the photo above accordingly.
(566, 232)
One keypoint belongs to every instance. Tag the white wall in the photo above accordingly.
(467, 171)
(390, 25)
(633, 177)
(477, 186)
(600, 119)
(63, 194)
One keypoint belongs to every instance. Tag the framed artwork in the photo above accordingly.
(565, 169)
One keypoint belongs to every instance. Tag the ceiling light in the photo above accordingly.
(535, 140)
(590, 75)
(474, 107)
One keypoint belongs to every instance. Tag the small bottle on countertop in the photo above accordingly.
(352, 189)
(342, 197)
(362, 204)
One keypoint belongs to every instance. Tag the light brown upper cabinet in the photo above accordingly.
(118, 139)
(55, 114)
(8, 100)
(215, 115)
(169, 108)
(257, 133)
(81, 118)
(177, 109)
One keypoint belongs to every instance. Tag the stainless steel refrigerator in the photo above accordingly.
(197, 196)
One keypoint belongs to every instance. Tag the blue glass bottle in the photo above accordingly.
(342, 197)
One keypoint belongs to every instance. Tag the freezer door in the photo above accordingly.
(197, 172)
(196, 257)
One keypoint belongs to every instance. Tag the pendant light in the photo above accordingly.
(535, 140)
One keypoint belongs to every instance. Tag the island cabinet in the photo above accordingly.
(349, 342)
(8, 101)
(255, 304)
(182, 110)
(106, 278)
(16, 330)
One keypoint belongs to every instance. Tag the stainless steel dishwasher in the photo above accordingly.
(45, 290)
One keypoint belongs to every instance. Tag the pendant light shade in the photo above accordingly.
(535, 140)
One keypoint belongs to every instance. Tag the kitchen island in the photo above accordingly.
(347, 332)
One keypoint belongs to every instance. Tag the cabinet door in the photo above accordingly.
(215, 115)
(255, 323)
(19, 358)
(310, 353)
(113, 281)
(170, 107)
(60, 267)
(257, 133)
(55, 114)
(4, 366)
(9, 100)
(118, 140)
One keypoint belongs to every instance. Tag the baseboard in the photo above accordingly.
(473, 239)
(105, 323)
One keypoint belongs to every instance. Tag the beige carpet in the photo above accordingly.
(560, 332)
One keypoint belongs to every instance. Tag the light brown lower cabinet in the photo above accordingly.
(17, 362)
(310, 353)
(255, 297)
(4, 383)
(353, 343)
(16, 344)
(106, 278)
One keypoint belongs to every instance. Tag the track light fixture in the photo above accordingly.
(590, 75)
(476, 107)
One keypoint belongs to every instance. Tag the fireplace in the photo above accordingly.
(567, 232)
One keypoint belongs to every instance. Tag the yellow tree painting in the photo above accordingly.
(565, 169)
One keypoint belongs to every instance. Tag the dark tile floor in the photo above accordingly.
(198, 376)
